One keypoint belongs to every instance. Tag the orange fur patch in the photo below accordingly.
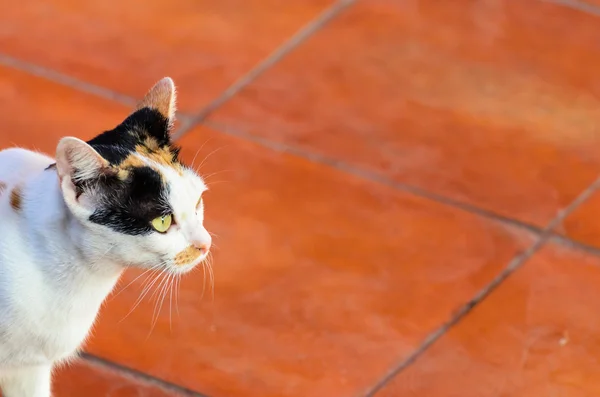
(188, 255)
(160, 155)
(152, 151)
(16, 199)
(131, 161)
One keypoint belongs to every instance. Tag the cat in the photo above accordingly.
(70, 226)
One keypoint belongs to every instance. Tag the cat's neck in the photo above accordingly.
(70, 249)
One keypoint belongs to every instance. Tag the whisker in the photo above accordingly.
(177, 287)
(206, 158)
(212, 183)
(212, 276)
(203, 279)
(206, 176)
(144, 292)
(135, 279)
(171, 302)
(103, 255)
(159, 301)
(198, 151)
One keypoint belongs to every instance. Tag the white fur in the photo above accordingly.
(56, 267)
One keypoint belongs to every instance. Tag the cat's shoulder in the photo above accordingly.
(18, 154)
(18, 163)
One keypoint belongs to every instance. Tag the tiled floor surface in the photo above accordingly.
(403, 190)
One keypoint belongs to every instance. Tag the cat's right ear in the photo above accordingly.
(162, 97)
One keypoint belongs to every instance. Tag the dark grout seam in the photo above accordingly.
(139, 376)
(76, 84)
(370, 176)
(574, 244)
(288, 46)
(373, 177)
(577, 5)
(65, 80)
(419, 192)
(512, 266)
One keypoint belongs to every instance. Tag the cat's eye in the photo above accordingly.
(162, 223)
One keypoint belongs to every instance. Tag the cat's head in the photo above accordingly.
(129, 188)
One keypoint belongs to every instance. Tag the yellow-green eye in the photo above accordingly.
(162, 223)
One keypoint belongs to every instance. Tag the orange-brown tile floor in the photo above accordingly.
(403, 190)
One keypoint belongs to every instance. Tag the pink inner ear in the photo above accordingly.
(161, 97)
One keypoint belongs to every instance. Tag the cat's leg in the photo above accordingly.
(27, 382)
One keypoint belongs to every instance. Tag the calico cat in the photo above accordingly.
(69, 227)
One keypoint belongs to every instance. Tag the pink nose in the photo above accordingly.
(203, 246)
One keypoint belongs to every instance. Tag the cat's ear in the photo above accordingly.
(78, 161)
(162, 98)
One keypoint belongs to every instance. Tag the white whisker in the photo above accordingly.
(203, 279)
(142, 294)
(212, 275)
(135, 279)
(206, 158)
(198, 151)
(177, 286)
(160, 300)
(171, 301)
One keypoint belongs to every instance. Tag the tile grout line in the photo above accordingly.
(279, 53)
(404, 187)
(371, 176)
(65, 80)
(465, 309)
(574, 244)
(76, 84)
(577, 5)
(139, 376)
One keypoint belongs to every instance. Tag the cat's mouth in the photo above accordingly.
(204, 259)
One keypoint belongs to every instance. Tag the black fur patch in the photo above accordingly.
(128, 206)
(115, 145)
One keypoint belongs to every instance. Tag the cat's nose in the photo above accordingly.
(203, 245)
(201, 239)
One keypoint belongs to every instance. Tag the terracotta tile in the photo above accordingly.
(205, 45)
(479, 108)
(582, 224)
(35, 113)
(85, 379)
(537, 335)
(323, 280)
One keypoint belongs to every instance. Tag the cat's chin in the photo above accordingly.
(182, 269)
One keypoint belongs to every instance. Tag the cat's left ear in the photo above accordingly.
(77, 162)
(162, 98)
